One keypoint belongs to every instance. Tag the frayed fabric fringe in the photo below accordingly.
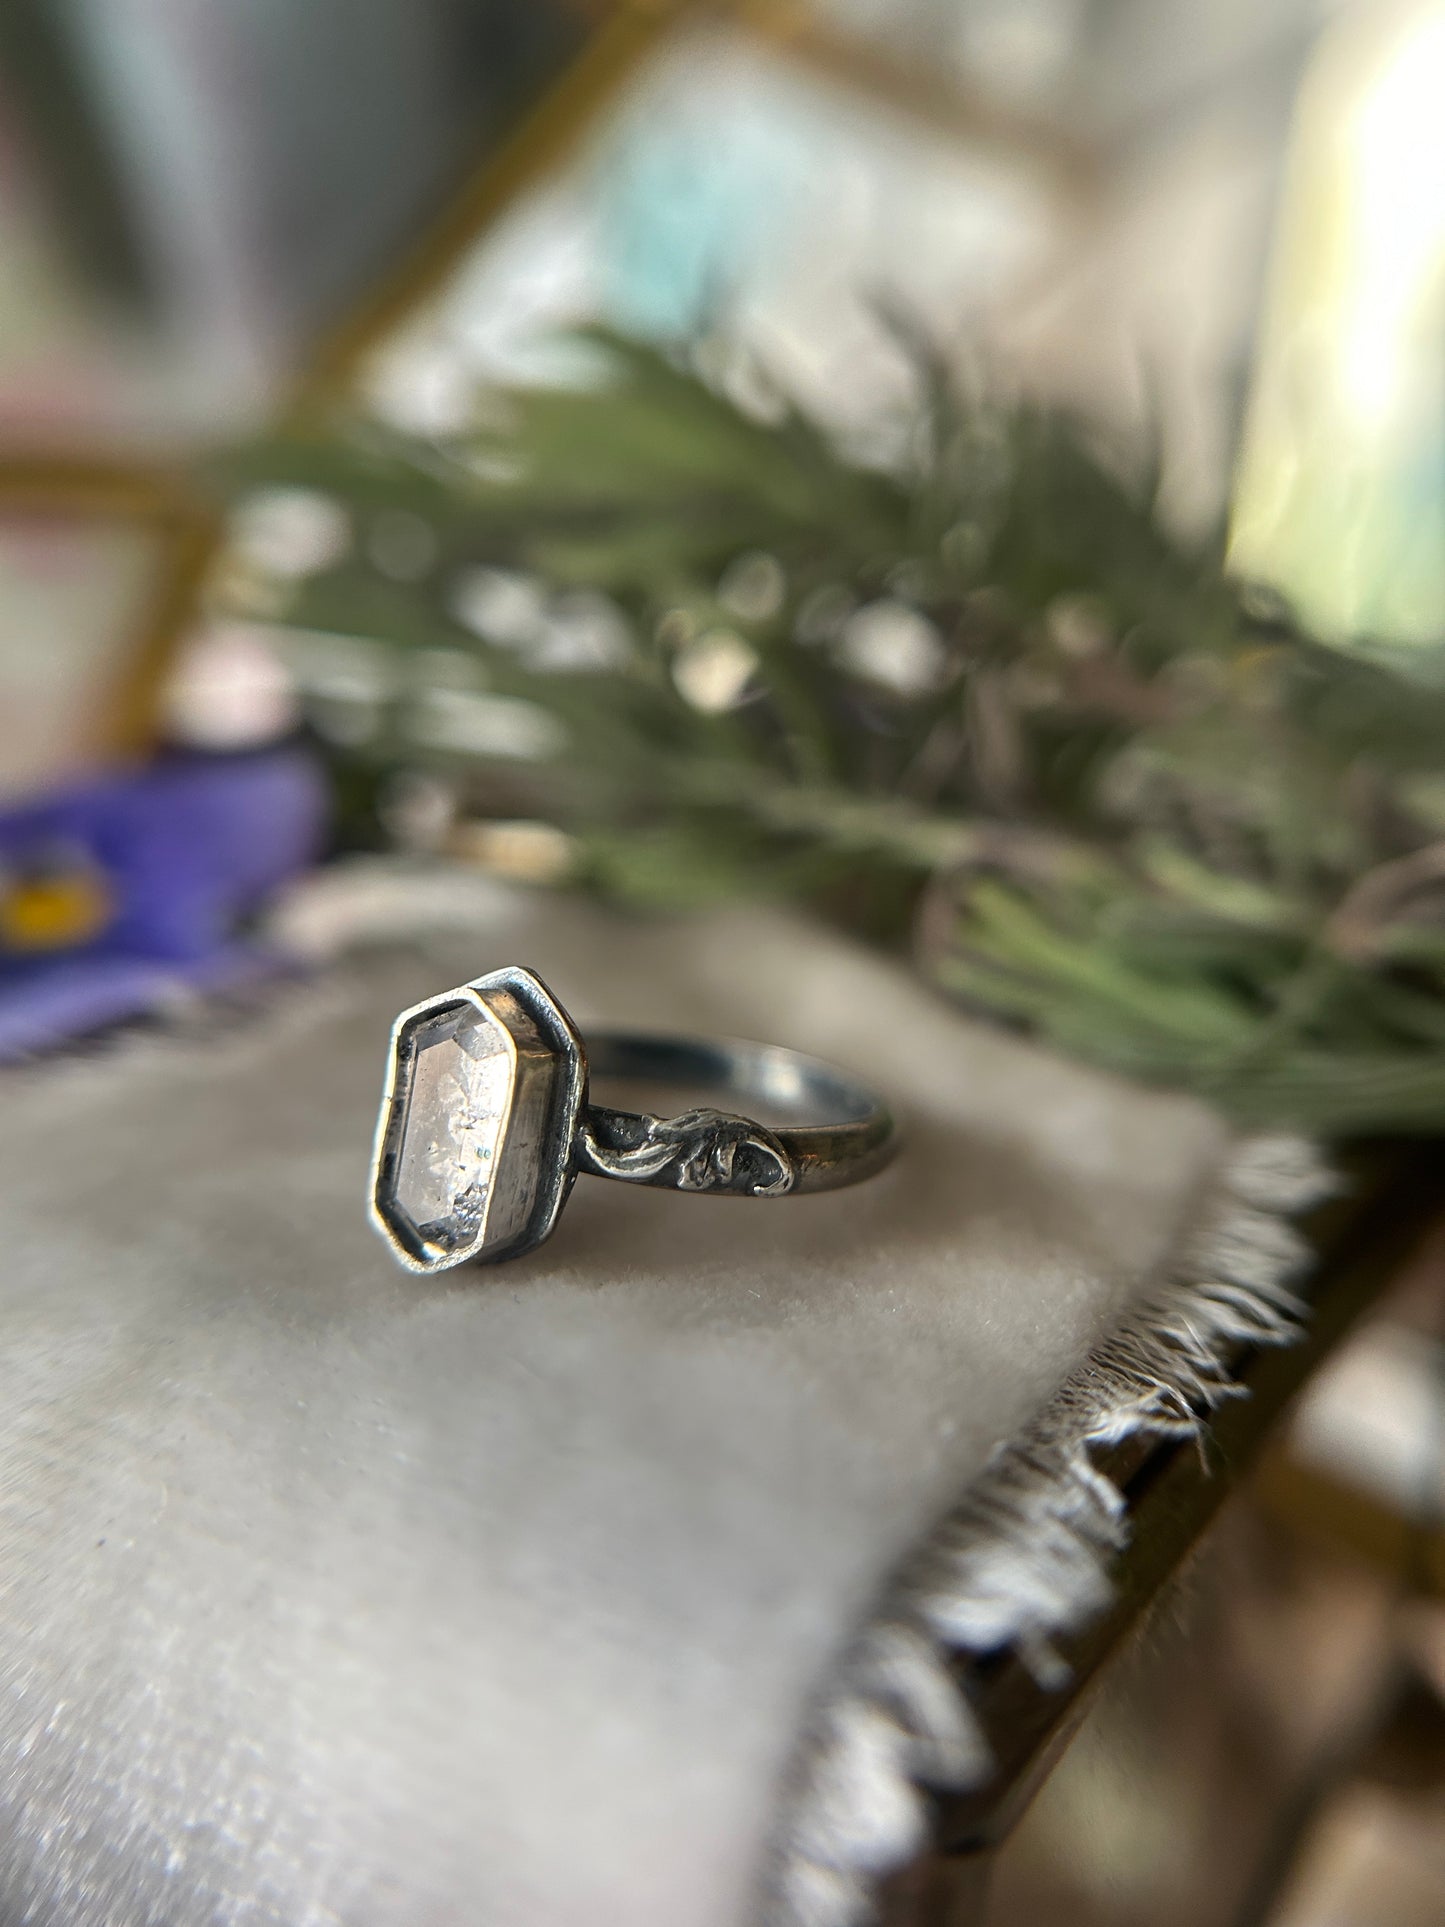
(1024, 1558)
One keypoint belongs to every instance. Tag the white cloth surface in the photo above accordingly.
(329, 1594)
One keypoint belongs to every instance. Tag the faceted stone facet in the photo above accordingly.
(461, 1086)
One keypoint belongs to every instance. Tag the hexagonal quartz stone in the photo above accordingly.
(461, 1091)
(465, 1137)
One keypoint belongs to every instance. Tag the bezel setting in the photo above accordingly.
(473, 1154)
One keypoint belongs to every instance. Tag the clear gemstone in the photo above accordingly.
(460, 1090)
(483, 1093)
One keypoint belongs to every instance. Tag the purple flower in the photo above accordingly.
(115, 891)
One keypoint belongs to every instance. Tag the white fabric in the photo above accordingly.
(334, 1595)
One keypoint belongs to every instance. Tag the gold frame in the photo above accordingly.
(627, 33)
(154, 501)
(172, 502)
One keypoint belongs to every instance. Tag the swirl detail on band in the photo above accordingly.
(702, 1150)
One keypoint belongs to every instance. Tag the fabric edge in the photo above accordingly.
(1023, 1558)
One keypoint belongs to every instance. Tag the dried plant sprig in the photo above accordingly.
(980, 695)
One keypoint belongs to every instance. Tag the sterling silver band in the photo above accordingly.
(717, 1150)
(486, 1122)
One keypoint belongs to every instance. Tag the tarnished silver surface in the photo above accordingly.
(695, 1151)
(485, 1122)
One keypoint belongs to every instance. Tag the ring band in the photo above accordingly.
(486, 1122)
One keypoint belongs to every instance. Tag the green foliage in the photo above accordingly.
(980, 698)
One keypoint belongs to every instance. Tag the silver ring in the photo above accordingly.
(486, 1122)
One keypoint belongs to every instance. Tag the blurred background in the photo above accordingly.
(271, 280)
